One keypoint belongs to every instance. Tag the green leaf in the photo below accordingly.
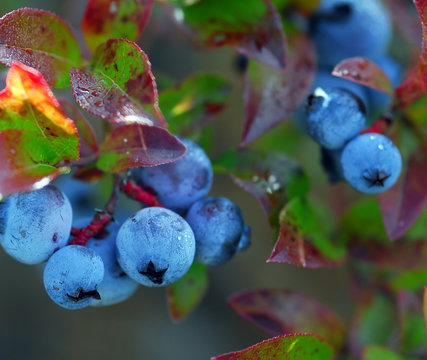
(28, 104)
(305, 237)
(118, 86)
(374, 323)
(19, 172)
(107, 19)
(186, 293)
(42, 40)
(254, 29)
(375, 352)
(287, 347)
(271, 177)
(192, 103)
(411, 280)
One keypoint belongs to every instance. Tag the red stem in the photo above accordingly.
(137, 193)
(100, 219)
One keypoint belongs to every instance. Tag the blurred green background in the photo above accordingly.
(33, 327)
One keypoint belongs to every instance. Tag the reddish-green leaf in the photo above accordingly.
(28, 104)
(136, 145)
(305, 237)
(271, 95)
(375, 352)
(118, 86)
(254, 29)
(365, 72)
(42, 40)
(192, 103)
(186, 293)
(411, 280)
(88, 141)
(288, 347)
(374, 323)
(284, 312)
(271, 177)
(18, 171)
(411, 324)
(107, 19)
(402, 204)
(305, 7)
(415, 84)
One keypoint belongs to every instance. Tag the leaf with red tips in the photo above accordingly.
(107, 19)
(28, 104)
(136, 145)
(186, 293)
(271, 95)
(19, 172)
(304, 7)
(415, 84)
(118, 86)
(192, 103)
(365, 72)
(254, 30)
(42, 40)
(271, 177)
(88, 141)
(403, 203)
(304, 237)
(287, 347)
(283, 312)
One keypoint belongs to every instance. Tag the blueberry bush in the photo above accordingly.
(333, 148)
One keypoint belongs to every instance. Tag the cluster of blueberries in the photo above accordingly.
(336, 111)
(154, 247)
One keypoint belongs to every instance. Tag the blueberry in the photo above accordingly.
(72, 275)
(334, 117)
(155, 247)
(116, 285)
(218, 226)
(245, 238)
(348, 28)
(179, 184)
(371, 163)
(35, 224)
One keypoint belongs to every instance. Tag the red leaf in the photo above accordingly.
(254, 29)
(365, 72)
(272, 95)
(106, 19)
(415, 84)
(42, 40)
(88, 141)
(292, 347)
(402, 204)
(118, 86)
(18, 171)
(136, 145)
(283, 311)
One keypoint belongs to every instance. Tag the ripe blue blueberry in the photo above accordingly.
(72, 276)
(348, 28)
(245, 239)
(371, 163)
(155, 247)
(218, 226)
(334, 117)
(35, 224)
(180, 183)
(116, 285)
